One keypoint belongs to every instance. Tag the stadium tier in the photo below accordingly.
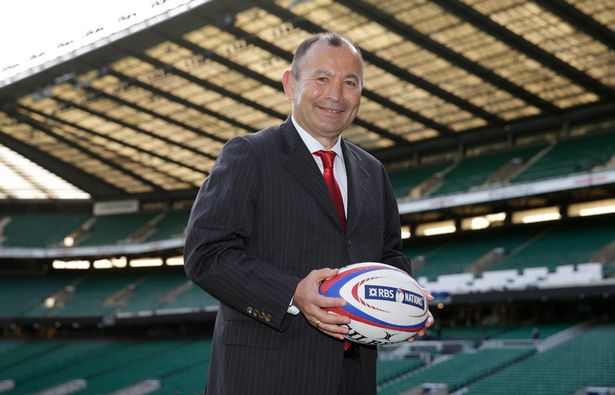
(501, 332)
(570, 156)
(561, 244)
(455, 254)
(111, 229)
(475, 171)
(39, 230)
(177, 367)
(585, 360)
(515, 165)
(22, 294)
(521, 246)
(171, 225)
(49, 230)
(94, 293)
(180, 366)
(456, 371)
(388, 370)
(78, 293)
(404, 181)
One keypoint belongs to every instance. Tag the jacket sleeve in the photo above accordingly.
(219, 230)
(392, 249)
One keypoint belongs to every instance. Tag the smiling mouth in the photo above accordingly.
(331, 110)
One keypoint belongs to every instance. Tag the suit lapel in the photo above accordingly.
(357, 187)
(303, 168)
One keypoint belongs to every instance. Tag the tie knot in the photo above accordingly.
(327, 158)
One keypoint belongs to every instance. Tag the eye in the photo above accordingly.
(322, 79)
(351, 83)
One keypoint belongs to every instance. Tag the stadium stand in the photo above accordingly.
(585, 360)
(166, 290)
(527, 331)
(388, 370)
(406, 180)
(458, 370)
(472, 333)
(455, 254)
(562, 243)
(40, 229)
(25, 294)
(515, 247)
(139, 123)
(79, 293)
(171, 225)
(115, 228)
(478, 334)
(50, 229)
(571, 156)
(516, 165)
(106, 366)
(475, 171)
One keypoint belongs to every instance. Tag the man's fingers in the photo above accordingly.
(428, 295)
(320, 275)
(338, 331)
(327, 302)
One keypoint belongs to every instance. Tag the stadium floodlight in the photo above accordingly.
(405, 232)
(175, 261)
(436, 228)
(597, 207)
(76, 264)
(146, 262)
(50, 302)
(482, 222)
(102, 264)
(537, 215)
(597, 210)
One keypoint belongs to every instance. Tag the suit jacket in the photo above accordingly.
(260, 223)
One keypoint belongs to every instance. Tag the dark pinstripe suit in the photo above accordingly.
(261, 222)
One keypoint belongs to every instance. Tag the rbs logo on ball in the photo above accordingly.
(378, 292)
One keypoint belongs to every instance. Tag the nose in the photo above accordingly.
(335, 91)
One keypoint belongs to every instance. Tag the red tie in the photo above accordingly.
(334, 189)
(327, 161)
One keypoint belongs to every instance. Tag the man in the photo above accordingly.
(275, 218)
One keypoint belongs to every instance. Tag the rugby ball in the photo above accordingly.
(385, 305)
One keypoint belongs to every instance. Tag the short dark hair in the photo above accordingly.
(333, 39)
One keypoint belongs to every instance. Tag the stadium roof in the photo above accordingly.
(147, 113)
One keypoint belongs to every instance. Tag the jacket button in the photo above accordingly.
(249, 310)
(348, 242)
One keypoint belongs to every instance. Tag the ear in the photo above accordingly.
(289, 85)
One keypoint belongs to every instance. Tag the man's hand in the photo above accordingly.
(429, 322)
(312, 304)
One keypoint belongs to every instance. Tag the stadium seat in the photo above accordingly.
(585, 360)
(570, 156)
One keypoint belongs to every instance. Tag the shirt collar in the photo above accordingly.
(314, 145)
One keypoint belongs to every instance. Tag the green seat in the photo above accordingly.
(458, 371)
(404, 180)
(474, 171)
(41, 230)
(111, 229)
(570, 242)
(577, 154)
(172, 225)
(585, 360)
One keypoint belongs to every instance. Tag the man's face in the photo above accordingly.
(327, 93)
